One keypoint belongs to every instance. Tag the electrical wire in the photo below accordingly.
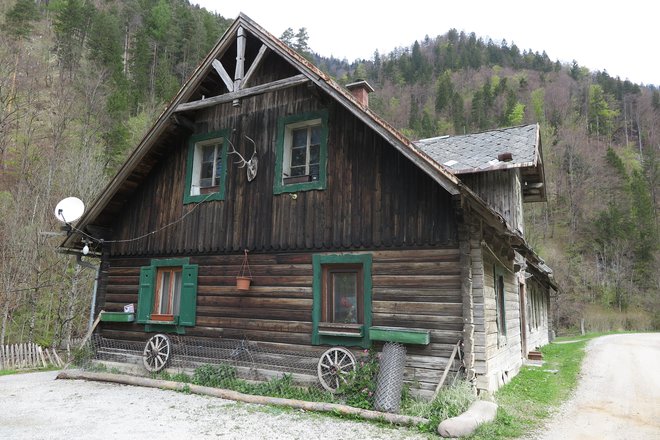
(127, 240)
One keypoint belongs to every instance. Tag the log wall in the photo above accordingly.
(499, 363)
(537, 303)
(412, 288)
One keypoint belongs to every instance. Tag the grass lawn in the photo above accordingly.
(529, 399)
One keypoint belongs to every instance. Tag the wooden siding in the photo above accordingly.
(501, 362)
(502, 191)
(375, 198)
(411, 289)
(537, 329)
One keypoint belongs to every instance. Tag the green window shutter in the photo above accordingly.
(146, 293)
(188, 295)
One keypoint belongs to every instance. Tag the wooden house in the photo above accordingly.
(356, 235)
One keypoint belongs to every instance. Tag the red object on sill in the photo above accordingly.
(164, 318)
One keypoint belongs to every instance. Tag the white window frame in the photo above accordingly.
(288, 144)
(195, 186)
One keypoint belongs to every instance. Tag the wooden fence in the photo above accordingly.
(23, 356)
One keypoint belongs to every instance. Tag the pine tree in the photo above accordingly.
(301, 45)
(444, 91)
(19, 19)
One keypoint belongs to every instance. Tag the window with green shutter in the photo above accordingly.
(167, 299)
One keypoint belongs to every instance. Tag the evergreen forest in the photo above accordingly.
(81, 81)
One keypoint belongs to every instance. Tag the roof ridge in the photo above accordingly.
(493, 130)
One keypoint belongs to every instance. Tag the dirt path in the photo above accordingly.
(618, 396)
(36, 406)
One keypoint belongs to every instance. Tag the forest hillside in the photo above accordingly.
(81, 81)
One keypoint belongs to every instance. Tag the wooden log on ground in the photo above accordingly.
(397, 419)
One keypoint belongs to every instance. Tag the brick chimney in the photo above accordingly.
(360, 90)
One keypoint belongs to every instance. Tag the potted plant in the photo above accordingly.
(244, 277)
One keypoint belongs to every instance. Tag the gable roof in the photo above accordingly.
(147, 153)
(479, 152)
(150, 149)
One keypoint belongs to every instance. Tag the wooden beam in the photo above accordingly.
(240, 58)
(217, 65)
(253, 67)
(252, 91)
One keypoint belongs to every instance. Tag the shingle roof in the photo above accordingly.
(479, 152)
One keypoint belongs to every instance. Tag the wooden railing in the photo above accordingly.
(30, 355)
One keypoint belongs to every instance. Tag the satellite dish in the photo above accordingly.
(69, 210)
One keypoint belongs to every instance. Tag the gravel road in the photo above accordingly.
(36, 406)
(618, 396)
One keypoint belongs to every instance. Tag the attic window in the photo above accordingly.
(301, 152)
(206, 168)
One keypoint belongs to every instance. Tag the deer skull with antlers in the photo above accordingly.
(252, 164)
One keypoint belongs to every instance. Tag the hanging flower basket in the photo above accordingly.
(244, 277)
(243, 283)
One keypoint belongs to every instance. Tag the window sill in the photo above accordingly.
(297, 179)
(282, 187)
(344, 330)
(208, 190)
(163, 320)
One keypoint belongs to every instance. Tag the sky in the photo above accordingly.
(620, 37)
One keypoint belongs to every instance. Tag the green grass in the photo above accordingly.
(530, 398)
(587, 336)
(7, 372)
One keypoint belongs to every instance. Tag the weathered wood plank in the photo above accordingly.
(256, 324)
(254, 66)
(244, 93)
(257, 291)
(424, 308)
(251, 302)
(226, 79)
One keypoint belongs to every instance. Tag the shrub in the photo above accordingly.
(219, 376)
(450, 402)
(360, 385)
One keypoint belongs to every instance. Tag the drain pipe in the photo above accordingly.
(87, 265)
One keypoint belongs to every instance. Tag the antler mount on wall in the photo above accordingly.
(252, 164)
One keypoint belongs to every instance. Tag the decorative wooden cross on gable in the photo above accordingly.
(241, 85)
(241, 79)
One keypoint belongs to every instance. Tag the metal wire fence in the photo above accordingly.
(250, 360)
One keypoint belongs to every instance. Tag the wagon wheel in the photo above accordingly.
(156, 353)
(334, 366)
